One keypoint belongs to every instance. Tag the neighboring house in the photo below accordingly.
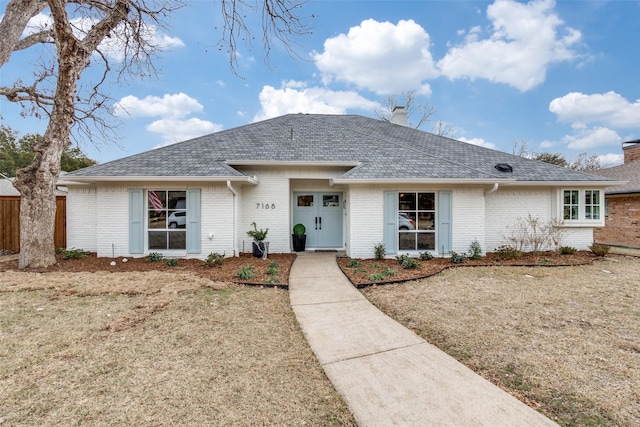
(10, 216)
(622, 217)
(351, 180)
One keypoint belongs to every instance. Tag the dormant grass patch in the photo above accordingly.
(566, 340)
(155, 348)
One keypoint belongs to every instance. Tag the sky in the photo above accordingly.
(561, 75)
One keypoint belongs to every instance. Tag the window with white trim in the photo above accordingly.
(416, 221)
(581, 205)
(166, 219)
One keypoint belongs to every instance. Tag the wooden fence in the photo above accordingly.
(10, 223)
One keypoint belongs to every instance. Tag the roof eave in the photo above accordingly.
(71, 180)
(338, 181)
(567, 183)
(349, 164)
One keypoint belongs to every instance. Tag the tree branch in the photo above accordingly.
(15, 19)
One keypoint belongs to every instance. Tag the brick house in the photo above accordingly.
(622, 203)
(353, 181)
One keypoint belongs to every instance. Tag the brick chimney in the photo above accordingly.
(399, 116)
(631, 151)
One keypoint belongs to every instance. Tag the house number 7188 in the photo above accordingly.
(265, 206)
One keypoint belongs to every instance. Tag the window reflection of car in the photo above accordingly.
(178, 220)
(405, 223)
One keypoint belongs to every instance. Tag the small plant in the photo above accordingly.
(379, 251)
(457, 258)
(407, 262)
(246, 272)
(567, 250)
(273, 280)
(599, 250)
(426, 256)
(72, 253)
(299, 229)
(475, 250)
(353, 263)
(257, 235)
(505, 252)
(359, 270)
(376, 277)
(172, 262)
(274, 264)
(155, 257)
(375, 265)
(271, 271)
(214, 259)
(389, 272)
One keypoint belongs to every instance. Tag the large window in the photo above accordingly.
(581, 205)
(166, 219)
(416, 221)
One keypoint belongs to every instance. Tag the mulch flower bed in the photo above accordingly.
(367, 272)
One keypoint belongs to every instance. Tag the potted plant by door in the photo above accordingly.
(259, 245)
(299, 238)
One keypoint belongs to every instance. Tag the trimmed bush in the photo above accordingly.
(567, 250)
(457, 258)
(214, 259)
(599, 250)
(426, 256)
(379, 251)
(155, 257)
(407, 262)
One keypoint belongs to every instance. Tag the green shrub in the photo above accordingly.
(72, 253)
(567, 250)
(426, 255)
(379, 251)
(353, 263)
(246, 272)
(273, 280)
(299, 229)
(375, 265)
(172, 262)
(214, 259)
(377, 277)
(407, 262)
(155, 257)
(475, 250)
(272, 271)
(457, 258)
(599, 250)
(505, 252)
(389, 272)
(273, 264)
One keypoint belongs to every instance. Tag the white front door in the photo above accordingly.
(321, 213)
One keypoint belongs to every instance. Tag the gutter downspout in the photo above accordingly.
(235, 217)
(493, 190)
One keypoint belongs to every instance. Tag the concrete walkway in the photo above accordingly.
(388, 375)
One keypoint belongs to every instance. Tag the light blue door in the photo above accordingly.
(321, 213)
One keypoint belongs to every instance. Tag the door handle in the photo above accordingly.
(316, 223)
(320, 222)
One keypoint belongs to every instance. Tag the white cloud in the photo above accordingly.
(608, 108)
(176, 106)
(588, 138)
(478, 141)
(175, 130)
(523, 43)
(379, 56)
(611, 159)
(314, 100)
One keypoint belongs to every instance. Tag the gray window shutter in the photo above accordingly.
(193, 221)
(136, 221)
(391, 222)
(444, 222)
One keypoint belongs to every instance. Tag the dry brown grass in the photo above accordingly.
(155, 348)
(565, 339)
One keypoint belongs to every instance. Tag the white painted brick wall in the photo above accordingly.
(81, 218)
(112, 227)
(216, 216)
(268, 204)
(365, 211)
(468, 218)
(506, 205)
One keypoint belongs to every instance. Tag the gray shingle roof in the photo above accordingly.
(628, 172)
(381, 150)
